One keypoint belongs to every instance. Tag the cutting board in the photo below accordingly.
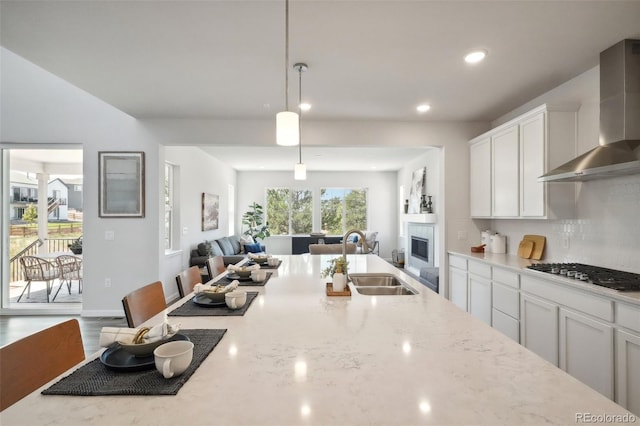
(538, 245)
(525, 249)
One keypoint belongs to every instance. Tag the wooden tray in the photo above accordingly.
(538, 245)
(330, 292)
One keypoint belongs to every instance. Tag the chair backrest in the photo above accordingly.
(38, 269)
(69, 266)
(187, 279)
(143, 303)
(35, 360)
(215, 266)
(331, 248)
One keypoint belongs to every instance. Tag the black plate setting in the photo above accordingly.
(204, 301)
(238, 277)
(119, 359)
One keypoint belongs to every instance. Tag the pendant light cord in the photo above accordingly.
(286, 56)
(300, 112)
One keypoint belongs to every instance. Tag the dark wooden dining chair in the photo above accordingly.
(187, 279)
(143, 303)
(215, 266)
(35, 360)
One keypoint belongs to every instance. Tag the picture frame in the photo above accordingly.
(121, 181)
(418, 188)
(210, 211)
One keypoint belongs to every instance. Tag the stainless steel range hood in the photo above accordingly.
(619, 149)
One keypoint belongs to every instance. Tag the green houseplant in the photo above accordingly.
(253, 219)
(333, 265)
(76, 246)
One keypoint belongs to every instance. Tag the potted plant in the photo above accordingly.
(334, 264)
(76, 246)
(253, 219)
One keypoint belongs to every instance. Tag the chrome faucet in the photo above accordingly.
(365, 247)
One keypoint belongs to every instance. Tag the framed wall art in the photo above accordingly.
(418, 189)
(210, 211)
(121, 184)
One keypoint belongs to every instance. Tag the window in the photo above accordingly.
(289, 211)
(342, 209)
(171, 233)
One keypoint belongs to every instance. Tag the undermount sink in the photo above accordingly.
(385, 291)
(377, 280)
(380, 284)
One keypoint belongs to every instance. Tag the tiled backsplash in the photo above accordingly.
(605, 232)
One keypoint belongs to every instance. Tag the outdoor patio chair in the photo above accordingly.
(35, 360)
(143, 303)
(70, 268)
(37, 269)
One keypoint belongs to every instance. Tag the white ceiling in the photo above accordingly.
(368, 60)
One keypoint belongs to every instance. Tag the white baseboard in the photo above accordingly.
(117, 313)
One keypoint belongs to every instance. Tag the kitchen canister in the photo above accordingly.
(498, 243)
(485, 238)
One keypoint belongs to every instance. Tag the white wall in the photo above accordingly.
(381, 214)
(604, 231)
(40, 108)
(198, 172)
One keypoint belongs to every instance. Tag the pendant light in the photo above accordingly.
(300, 170)
(287, 122)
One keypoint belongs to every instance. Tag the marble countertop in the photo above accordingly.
(520, 265)
(300, 357)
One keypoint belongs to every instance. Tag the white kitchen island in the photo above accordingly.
(300, 357)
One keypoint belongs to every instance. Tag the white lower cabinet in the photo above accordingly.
(539, 327)
(628, 370)
(458, 288)
(594, 338)
(480, 297)
(586, 350)
(506, 308)
(505, 324)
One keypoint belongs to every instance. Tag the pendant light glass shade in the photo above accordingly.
(300, 171)
(287, 128)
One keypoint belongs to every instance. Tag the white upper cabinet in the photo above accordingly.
(505, 167)
(480, 172)
(532, 192)
(505, 164)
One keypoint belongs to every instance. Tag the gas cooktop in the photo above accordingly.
(611, 278)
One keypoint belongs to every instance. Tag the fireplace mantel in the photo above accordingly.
(419, 218)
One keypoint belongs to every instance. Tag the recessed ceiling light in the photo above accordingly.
(475, 56)
(305, 106)
(423, 108)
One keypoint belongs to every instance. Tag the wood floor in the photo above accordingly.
(16, 327)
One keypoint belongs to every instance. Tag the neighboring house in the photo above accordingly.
(61, 195)
(57, 194)
(23, 190)
(74, 190)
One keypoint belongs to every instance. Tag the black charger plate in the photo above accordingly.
(119, 359)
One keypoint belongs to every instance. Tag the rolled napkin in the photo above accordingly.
(220, 289)
(109, 335)
(234, 268)
(198, 288)
(257, 255)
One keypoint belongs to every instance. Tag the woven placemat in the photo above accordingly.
(190, 309)
(94, 379)
(265, 266)
(248, 283)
